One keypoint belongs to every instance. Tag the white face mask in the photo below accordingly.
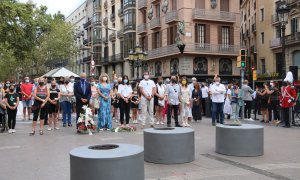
(271, 84)
(92, 83)
(104, 79)
(217, 83)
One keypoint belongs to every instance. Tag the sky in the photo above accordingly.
(65, 6)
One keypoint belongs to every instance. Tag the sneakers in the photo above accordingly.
(10, 131)
(56, 128)
(157, 123)
(250, 119)
(49, 129)
(162, 123)
(13, 131)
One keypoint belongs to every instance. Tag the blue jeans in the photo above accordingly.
(235, 111)
(217, 111)
(66, 107)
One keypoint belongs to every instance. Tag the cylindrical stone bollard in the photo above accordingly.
(245, 140)
(169, 145)
(109, 162)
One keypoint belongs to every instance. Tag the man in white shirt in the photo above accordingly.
(204, 90)
(147, 90)
(217, 96)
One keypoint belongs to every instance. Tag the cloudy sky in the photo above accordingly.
(65, 6)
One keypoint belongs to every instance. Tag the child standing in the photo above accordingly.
(135, 100)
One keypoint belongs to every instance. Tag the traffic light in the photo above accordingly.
(243, 57)
(253, 68)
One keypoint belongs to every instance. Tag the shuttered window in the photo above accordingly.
(225, 36)
(200, 4)
(156, 40)
(171, 35)
(224, 5)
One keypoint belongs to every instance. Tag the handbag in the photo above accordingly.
(196, 102)
(96, 103)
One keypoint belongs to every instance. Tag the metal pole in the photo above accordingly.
(137, 69)
(283, 51)
(242, 80)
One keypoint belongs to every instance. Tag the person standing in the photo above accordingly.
(185, 102)
(94, 102)
(41, 95)
(264, 103)
(135, 100)
(235, 102)
(147, 89)
(82, 92)
(217, 96)
(227, 105)
(105, 92)
(273, 102)
(26, 91)
(125, 93)
(287, 98)
(65, 99)
(160, 97)
(12, 102)
(173, 100)
(2, 109)
(197, 98)
(204, 92)
(53, 105)
(247, 98)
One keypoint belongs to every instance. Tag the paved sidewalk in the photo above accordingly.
(47, 157)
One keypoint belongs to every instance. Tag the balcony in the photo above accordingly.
(112, 37)
(155, 23)
(112, 17)
(97, 41)
(120, 34)
(87, 59)
(142, 28)
(112, 2)
(104, 40)
(247, 33)
(253, 28)
(129, 27)
(274, 43)
(171, 16)
(120, 12)
(292, 39)
(202, 14)
(85, 42)
(105, 5)
(87, 24)
(275, 19)
(142, 4)
(119, 57)
(130, 4)
(105, 21)
(195, 48)
(253, 49)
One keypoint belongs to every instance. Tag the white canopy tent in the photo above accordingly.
(60, 72)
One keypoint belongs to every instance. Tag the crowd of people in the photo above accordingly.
(141, 102)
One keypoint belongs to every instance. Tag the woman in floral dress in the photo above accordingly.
(105, 91)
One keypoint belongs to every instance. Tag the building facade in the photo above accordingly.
(77, 19)
(212, 37)
(261, 34)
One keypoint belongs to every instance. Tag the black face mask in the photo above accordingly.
(11, 90)
(174, 81)
(53, 86)
(160, 83)
(66, 82)
(41, 83)
(61, 82)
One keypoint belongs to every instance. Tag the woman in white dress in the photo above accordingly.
(227, 105)
(185, 103)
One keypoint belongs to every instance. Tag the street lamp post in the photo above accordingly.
(137, 56)
(283, 13)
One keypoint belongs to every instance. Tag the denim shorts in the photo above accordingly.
(27, 103)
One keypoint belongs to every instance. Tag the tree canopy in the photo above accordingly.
(32, 40)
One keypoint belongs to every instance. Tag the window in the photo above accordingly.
(262, 14)
(225, 36)
(129, 42)
(225, 66)
(129, 20)
(174, 5)
(263, 66)
(113, 49)
(294, 25)
(144, 42)
(262, 37)
(157, 10)
(224, 5)
(200, 4)
(156, 41)
(172, 31)
(200, 30)
(144, 13)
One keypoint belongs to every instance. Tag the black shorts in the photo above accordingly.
(52, 108)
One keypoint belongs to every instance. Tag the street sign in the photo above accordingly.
(254, 75)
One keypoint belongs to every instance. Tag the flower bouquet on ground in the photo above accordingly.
(86, 122)
(124, 129)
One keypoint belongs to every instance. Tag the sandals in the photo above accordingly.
(32, 133)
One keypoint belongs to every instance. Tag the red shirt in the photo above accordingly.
(286, 94)
(27, 89)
